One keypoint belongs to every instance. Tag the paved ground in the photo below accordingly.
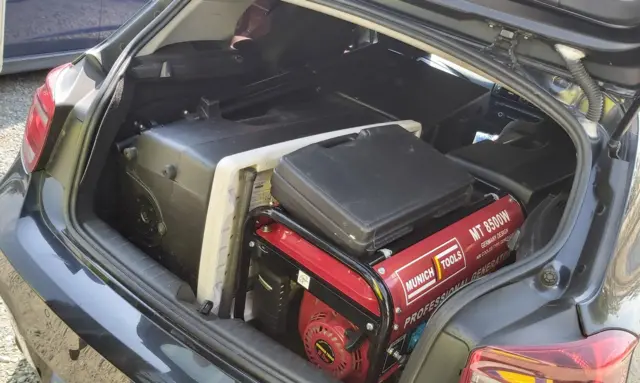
(53, 25)
(15, 98)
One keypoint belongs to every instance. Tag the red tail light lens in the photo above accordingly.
(601, 358)
(39, 121)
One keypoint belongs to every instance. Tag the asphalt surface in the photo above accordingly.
(59, 25)
(16, 93)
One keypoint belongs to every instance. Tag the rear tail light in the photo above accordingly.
(601, 358)
(39, 121)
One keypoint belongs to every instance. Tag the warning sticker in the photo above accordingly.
(421, 275)
(303, 279)
(325, 352)
(261, 193)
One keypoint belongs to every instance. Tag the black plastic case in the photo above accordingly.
(528, 160)
(369, 189)
(169, 181)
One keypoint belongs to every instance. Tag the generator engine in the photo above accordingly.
(375, 231)
(419, 278)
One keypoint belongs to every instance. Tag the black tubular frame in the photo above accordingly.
(381, 333)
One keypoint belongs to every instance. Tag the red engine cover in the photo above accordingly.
(423, 275)
(323, 334)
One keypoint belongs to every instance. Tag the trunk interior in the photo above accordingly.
(193, 109)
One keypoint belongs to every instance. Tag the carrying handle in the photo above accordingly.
(335, 141)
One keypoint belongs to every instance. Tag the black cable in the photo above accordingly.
(573, 59)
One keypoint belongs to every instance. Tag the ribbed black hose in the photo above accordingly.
(590, 88)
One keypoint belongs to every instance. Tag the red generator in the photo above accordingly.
(360, 266)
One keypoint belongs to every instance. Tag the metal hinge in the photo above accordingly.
(506, 42)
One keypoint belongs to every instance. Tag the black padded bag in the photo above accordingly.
(366, 190)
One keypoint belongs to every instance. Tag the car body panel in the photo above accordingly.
(3, 5)
(611, 53)
(615, 13)
(74, 322)
(615, 302)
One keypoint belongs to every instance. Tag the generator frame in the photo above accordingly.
(377, 329)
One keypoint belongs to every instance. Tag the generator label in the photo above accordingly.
(429, 307)
(490, 225)
(449, 263)
(325, 352)
(423, 273)
(261, 193)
